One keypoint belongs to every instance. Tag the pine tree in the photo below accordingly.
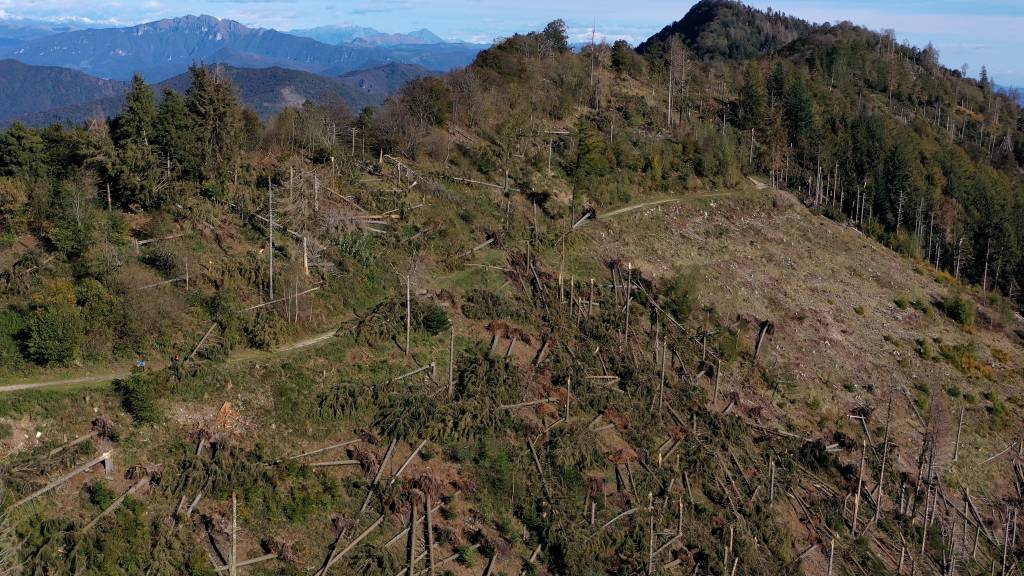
(138, 114)
(135, 166)
(555, 36)
(753, 100)
(21, 152)
(217, 114)
(594, 158)
(176, 137)
(800, 116)
(624, 59)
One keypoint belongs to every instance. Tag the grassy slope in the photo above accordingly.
(840, 334)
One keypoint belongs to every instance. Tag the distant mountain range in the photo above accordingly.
(41, 95)
(343, 34)
(165, 48)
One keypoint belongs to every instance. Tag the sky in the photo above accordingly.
(989, 32)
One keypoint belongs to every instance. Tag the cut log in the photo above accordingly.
(380, 472)
(61, 480)
(248, 562)
(324, 449)
(333, 559)
(408, 461)
(114, 505)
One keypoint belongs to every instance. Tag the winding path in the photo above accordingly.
(310, 342)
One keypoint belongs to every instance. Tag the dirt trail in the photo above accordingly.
(314, 340)
(649, 203)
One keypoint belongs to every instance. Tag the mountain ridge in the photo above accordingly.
(160, 49)
(267, 90)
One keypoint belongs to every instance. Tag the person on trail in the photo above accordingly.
(176, 366)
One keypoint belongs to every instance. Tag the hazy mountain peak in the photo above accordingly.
(331, 34)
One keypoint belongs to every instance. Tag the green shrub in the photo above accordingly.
(922, 306)
(997, 411)
(264, 330)
(727, 341)
(1002, 307)
(467, 556)
(162, 260)
(55, 331)
(12, 326)
(140, 397)
(681, 294)
(54, 334)
(964, 357)
(100, 494)
(482, 304)
(430, 316)
(959, 309)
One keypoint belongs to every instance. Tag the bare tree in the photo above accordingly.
(676, 71)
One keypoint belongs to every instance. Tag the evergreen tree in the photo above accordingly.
(624, 59)
(138, 114)
(176, 137)
(593, 158)
(135, 166)
(555, 36)
(21, 152)
(800, 117)
(217, 114)
(753, 106)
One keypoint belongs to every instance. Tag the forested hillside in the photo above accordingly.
(741, 301)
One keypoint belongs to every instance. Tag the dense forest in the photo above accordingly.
(186, 230)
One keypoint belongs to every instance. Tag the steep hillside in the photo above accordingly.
(40, 96)
(28, 89)
(268, 91)
(376, 84)
(555, 313)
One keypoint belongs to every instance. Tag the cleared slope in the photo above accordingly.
(842, 340)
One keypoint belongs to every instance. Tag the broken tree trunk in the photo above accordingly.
(335, 557)
(405, 530)
(959, 430)
(61, 480)
(430, 536)
(527, 404)
(71, 444)
(860, 484)
(233, 569)
(451, 364)
(407, 461)
(412, 542)
(248, 562)
(324, 449)
(766, 329)
(201, 342)
(303, 293)
(612, 521)
(113, 505)
(380, 472)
